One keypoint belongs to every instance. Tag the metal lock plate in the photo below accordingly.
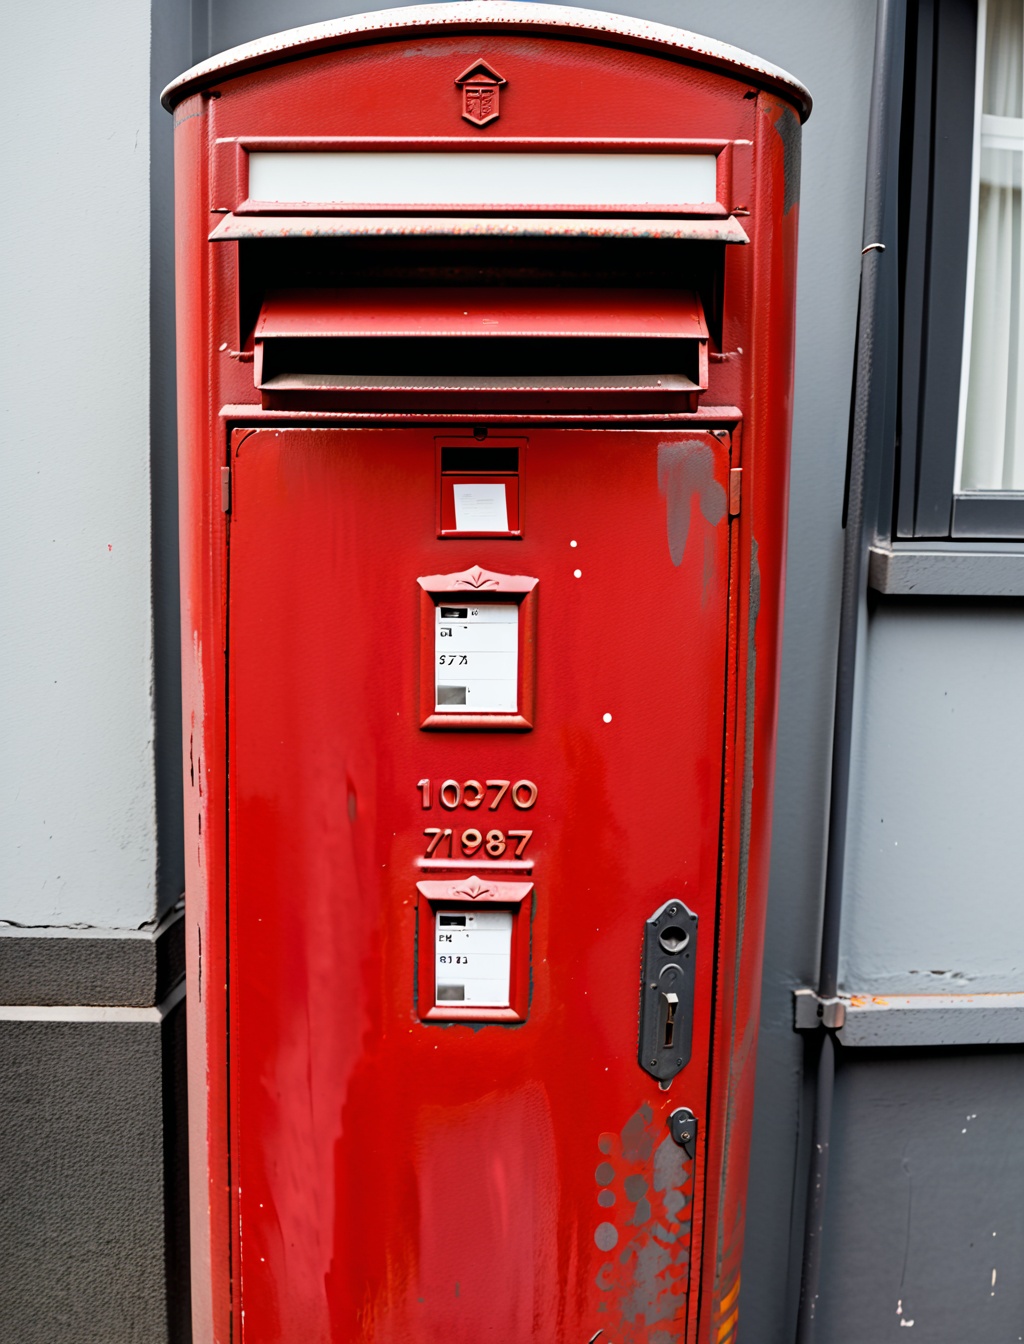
(666, 990)
(682, 1125)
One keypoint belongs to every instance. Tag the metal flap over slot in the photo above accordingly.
(454, 347)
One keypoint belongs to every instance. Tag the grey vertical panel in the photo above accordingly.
(936, 837)
(77, 838)
(171, 52)
(176, 1211)
(81, 1184)
(925, 1228)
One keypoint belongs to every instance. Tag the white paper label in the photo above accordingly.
(476, 658)
(481, 507)
(472, 958)
(445, 179)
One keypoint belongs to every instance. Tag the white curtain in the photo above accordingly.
(993, 452)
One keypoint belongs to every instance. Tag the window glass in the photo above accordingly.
(993, 424)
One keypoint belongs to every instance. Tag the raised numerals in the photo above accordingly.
(494, 845)
(452, 794)
(441, 842)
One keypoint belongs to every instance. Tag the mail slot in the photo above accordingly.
(482, 349)
(485, 323)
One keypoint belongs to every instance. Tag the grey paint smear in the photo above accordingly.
(637, 1143)
(648, 1298)
(668, 1165)
(788, 127)
(642, 1214)
(635, 1187)
(686, 468)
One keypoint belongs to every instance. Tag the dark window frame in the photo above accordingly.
(936, 152)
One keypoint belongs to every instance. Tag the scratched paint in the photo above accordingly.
(645, 1283)
(686, 469)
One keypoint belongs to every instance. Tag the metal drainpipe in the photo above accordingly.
(872, 434)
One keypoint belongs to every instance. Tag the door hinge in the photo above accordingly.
(225, 489)
(811, 1011)
(735, 490)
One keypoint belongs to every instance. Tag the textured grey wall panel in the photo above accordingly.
(925, 1219)
(91, 967)
(936, 837)
(82, 1240)
(78, 841)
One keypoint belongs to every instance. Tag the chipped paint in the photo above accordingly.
(240, 228)
(647, 1281)
(686, 468)
(788, 127)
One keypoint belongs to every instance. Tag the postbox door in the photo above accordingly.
(414, 1168)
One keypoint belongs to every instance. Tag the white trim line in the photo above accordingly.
(932, 1019)
(87, 1013)
(512, 14)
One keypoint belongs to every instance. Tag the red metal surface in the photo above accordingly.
(383, 1164)
(387, 1166)
(481, 313)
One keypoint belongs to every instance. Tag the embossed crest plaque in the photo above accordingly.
(481, 85)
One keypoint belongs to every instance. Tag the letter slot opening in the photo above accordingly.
(449, 348)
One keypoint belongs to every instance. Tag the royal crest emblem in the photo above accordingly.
(481, 85)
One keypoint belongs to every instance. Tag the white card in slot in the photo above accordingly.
(476, 657)
(473, 958)
(481, 507)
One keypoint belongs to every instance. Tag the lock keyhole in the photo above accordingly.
(670, 1006)
(673, 939)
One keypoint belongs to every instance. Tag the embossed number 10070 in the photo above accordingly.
(451, 794)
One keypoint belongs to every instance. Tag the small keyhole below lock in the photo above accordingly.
(673, 939)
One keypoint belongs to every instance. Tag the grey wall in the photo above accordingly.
(93, 1243)
(78, 841)
(89, 1219)
(926, 1206)
(937, 830)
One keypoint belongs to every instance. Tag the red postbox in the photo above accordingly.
(485, 331)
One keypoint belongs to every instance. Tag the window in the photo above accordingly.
(990, 448)
(961, 439)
